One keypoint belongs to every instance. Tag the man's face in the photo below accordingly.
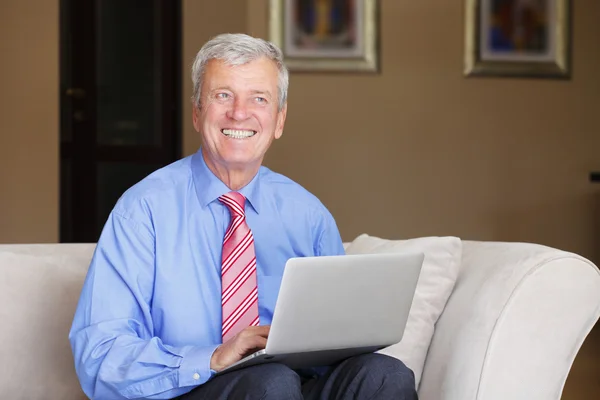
(238, 117)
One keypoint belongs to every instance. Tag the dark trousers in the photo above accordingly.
(369, 376)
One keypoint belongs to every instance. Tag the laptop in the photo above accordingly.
(330, 308)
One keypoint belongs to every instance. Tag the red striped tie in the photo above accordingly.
(238, 270)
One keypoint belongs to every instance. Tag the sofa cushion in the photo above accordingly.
(39, 290)
(438, 276)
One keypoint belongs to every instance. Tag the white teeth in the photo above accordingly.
(238, 134)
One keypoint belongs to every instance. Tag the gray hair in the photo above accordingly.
(237, 49)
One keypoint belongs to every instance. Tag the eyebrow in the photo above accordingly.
(255, 91)
(221, 88)
(265, 92)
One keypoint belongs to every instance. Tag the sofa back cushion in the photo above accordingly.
(39, 289)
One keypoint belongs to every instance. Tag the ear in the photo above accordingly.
(196, 117)
(280, 121)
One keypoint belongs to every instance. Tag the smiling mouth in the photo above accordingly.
(237, 133)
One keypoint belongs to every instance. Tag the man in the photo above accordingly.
(185, 275)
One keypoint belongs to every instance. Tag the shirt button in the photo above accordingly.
(196, 376)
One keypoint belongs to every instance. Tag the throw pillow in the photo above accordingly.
(435, 284)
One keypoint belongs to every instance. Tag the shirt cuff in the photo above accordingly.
(195, 370)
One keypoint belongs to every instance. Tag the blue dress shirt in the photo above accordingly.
(149, 315)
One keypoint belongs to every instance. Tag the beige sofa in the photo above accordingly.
(510, 330)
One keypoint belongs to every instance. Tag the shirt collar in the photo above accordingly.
(209, 187)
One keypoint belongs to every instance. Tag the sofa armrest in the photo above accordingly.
(513, 325)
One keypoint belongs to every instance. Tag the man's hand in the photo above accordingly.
(249, 340)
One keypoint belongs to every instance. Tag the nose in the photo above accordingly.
(238, 110)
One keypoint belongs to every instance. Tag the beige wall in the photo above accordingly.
(29, 121)
(415, 150)
(420, 150)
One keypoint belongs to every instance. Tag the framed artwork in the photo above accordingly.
(517, 38)
(326, 35)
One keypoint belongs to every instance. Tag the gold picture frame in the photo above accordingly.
(315, 36)
(518, 38)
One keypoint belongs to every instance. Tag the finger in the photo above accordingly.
(257, 330)
(256, 342)
(262, 330)
(248, 342)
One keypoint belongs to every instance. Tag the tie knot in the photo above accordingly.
(235, 202)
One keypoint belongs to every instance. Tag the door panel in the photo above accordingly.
(128, 74)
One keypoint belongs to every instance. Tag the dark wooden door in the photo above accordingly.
(120, 104)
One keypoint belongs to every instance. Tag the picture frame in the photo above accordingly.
(326, 35)
(519, 38)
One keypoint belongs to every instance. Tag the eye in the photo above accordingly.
(261, 100)
(222, 96)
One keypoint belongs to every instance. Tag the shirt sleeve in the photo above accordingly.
(115, 352)
(329, 239)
